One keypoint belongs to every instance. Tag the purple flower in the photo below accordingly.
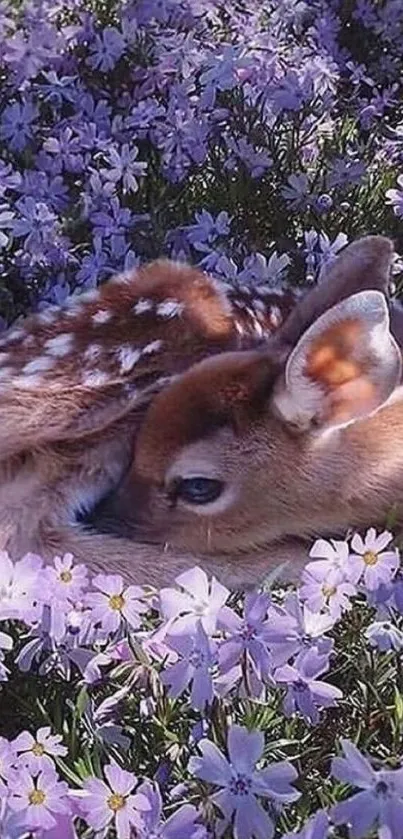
(7, 759)
(17, 124)
(183, 824)
(331, 593)
(333, 557)
(380, 802)
(241, 782)
(377, 565)
(114, 802)
(245, 654)
(297, 191)
(106, 50)
(6, 643)
(113, 602)
(36, 222)
(385, 636)
(199, 600)
(113, 224)
(38, 752)
(37, 798)
(67, 581)
(305, 692)
(124, 168)
(196, 658)
(19, 585)
(316, 828)
(294, 630)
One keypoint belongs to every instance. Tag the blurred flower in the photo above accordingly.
(385, 636)
(316, 828)
(183, 824)
(394, 197)
(106, 50)
(380, 802)
(124, 168)
(331, 593)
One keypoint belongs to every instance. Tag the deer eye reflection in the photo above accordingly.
(196, 490)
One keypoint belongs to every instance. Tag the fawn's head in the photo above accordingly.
(234, 454)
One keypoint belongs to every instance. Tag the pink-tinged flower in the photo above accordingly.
(377, 565)
(330, 594)
(63, 829)
(199, 600)
(241, 783)
(113, 602)
(39, 751)
(19, 585)
(334, 556)
(38, 797)
(114, 802)
(67, 581)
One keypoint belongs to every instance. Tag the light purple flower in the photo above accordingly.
(196, 659)
(67, 581)
(316, 828)
(380, 802)
(377, 565)
(19, 586)
(330, 594)
(245, 653)
(6, 644)
(124, 168)
(200, 600)
(183, 824)
(295, 629)
(334, 556)
(38, 752)
(305, 692)
(242, 784)
(107, 49)
(113, 602)
(38, 798)
(385, 636)
(113, 802)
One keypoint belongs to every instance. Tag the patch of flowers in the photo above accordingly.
(252, 139)
(192, 712)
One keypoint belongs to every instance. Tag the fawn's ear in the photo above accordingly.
(345, 366)
(363, 265)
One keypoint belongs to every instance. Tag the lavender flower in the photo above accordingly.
(199, 600)
(245, 652)
(316, 828)
(113, 602)
(380, 801)
(38, 752)
(385, 636)
(241, 784)
(196, 658)
(124, 168)
(305, 692)
(331, 593)
(106, 50)
(114, 802)
(377, 565)
(37, 798)
(183, 824)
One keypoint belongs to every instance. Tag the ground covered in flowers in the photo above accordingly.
(254, 139)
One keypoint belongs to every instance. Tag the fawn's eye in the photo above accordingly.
(196, 490)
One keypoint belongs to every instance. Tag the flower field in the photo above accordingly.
(254, 139)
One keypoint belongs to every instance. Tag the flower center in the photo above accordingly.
(116, 802)
(381, 788)
(240, 784)
(370, 558)
(37, 796)
(38, 750)
(196, 659)
(66, 577)
(116, 602)
(328, 591)
(248, 632)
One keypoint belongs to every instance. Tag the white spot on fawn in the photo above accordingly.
(95, 378)
(6, 372)
(170, 308)
(153, 347)
(15, 335)
(27, 382)
(48, 315)
(142, 306)
(128, 357)
(101, 317)
(60, 345)
(38, 365)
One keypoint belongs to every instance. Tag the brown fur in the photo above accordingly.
(71, 403)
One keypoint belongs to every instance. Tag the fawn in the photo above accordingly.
(75, 382)
(248, 453)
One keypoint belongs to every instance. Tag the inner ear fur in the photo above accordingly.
(363, 265)
(345, 365)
